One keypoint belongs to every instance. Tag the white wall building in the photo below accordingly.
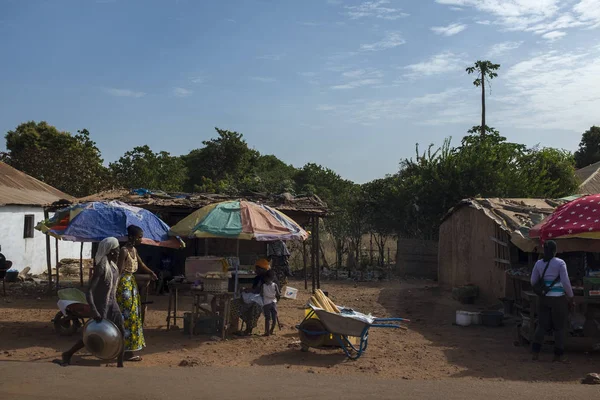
(22, 201)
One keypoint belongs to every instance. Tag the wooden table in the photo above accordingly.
(220, 304)
(174, 288)
(222, 309)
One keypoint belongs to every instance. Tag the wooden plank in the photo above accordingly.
(502, 261)
(498, 241)
(48, 255)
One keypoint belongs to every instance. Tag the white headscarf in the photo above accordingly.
(104, 249)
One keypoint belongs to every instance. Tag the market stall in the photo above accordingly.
(214, 282)
(575, 226)
(95, 221)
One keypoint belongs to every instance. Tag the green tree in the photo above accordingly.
(548, 172)
(340, 196)
(222, 164)
(142, 168)
(382, 214)
(275, 176)
(482, 166)
(70, 163)
(589, 148)
(485, 71)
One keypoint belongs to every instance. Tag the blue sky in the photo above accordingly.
(348, 84)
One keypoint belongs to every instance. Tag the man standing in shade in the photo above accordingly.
(278, 254)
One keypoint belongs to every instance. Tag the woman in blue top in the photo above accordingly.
(553, 308)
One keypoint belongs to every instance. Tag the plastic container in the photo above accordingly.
(475, 318)
(463, 318)
(290, 293)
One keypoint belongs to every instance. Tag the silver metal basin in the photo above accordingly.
(102, 339)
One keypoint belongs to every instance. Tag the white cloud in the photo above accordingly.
(450, 30)
(538, 16)
(263, 79)
(199, 79)
(589, 11)
(438, 64)
(375, 9)
(357, 83)
(367, 112)
(483, 22)
(362, 73)
(360, 78)
(499, 49)
(437, 98)
(124, 92)
(390, 41)
(181, 92)
(554, 90)
(554, 35)
(271, 57)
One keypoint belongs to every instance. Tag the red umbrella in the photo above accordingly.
(579, 218)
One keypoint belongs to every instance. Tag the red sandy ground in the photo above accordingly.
(433, 348)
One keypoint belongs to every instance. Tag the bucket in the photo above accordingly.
(463, 318)
(492, 318)
(290, 293)
(475, 318)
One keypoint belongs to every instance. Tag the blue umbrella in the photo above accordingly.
(95, 221)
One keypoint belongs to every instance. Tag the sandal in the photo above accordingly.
(133, 359)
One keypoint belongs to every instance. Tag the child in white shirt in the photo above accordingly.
(270, 293)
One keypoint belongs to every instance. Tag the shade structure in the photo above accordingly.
(95, 221)
(241, 219)
(579, 218)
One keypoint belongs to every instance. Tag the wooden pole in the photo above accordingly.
(81, 265)
(312, 254)
(305, 261)
(48, 254)
(57, 257)
(317, 265)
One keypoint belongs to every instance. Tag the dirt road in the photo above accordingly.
(37, 381)
(433, 348)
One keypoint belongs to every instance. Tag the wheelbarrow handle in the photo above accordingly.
(391, 319)
(386, 326)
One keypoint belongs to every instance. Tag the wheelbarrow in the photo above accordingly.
(342, 327)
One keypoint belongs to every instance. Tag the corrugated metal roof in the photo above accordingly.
(191, 201)
(18, 188)
(589, 178)
(512, 214)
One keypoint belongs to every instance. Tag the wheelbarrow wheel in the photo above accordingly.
(65, 326)
(311, 335)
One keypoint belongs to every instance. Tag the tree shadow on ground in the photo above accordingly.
(478, 351)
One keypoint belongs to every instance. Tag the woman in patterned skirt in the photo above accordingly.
(128, 296)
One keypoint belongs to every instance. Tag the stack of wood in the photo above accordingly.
(321, 301)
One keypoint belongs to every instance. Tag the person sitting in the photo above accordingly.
(165, 274)
(250, 312)
(5, 265)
